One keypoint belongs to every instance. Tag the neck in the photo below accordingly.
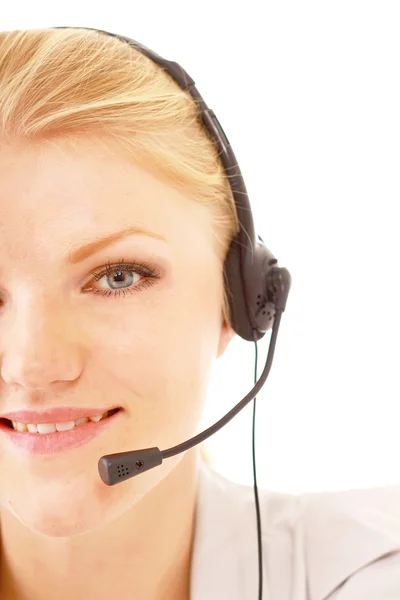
(145, 553)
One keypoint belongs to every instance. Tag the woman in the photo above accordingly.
(115, 220)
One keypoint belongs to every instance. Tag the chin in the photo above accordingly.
(65, 511)
(59, 525)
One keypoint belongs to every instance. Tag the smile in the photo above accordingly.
(53, 438)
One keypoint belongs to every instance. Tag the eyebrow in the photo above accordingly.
(87, 250)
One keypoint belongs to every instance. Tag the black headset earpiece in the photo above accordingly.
(247, 283)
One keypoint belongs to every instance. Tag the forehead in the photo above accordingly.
(69, 189)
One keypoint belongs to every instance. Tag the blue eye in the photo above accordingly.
(121, 274)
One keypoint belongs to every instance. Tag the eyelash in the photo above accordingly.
(141, 268)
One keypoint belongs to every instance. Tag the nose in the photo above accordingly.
(38, 347)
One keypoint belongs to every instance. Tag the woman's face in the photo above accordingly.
(143, 344)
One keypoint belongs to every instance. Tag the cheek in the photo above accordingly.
(162, 345)
(158, 367)
(157, 355)
(161, 378)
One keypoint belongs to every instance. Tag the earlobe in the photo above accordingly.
(225, 337)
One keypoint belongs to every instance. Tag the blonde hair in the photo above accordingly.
(62, 84)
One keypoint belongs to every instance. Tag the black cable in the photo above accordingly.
(259, 539)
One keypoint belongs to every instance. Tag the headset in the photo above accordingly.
(257, 291)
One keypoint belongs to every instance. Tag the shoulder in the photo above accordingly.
(379, 580)
(352, 543)
(336, 545)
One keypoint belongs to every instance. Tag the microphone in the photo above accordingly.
(118, 467)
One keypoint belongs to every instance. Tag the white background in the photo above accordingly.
(308, 94)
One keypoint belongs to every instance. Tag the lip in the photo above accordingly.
(57, 414)
(59, 441)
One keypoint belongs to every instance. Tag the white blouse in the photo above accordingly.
(319, 546)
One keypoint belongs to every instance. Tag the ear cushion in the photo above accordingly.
(235, 291)
(245, 276)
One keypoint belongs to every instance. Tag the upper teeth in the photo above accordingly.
(52, 427)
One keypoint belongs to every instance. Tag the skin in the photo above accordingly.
(62, 529)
